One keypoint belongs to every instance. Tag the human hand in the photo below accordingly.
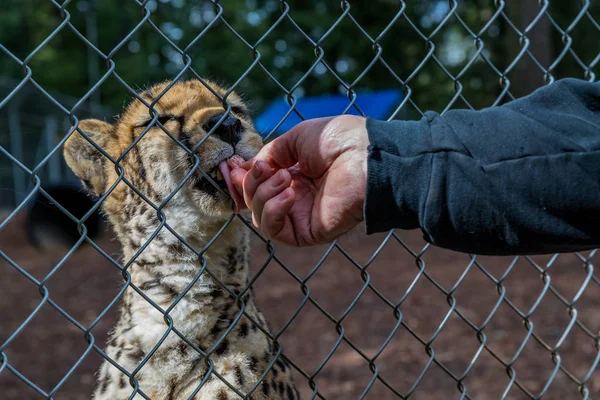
(307, 187)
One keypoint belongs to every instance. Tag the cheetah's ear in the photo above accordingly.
(84, 159)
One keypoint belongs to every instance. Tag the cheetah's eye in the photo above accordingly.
(240, 111)
(163, 119)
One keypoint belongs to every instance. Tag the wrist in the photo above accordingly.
(397, 179)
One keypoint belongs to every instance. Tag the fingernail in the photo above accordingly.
(257, 169)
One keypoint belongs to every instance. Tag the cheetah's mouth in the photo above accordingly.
(221, 175)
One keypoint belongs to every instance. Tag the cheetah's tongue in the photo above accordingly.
(239, 202)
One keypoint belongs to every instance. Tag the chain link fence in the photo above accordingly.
(384, 316)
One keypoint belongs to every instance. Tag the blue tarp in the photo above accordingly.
(376, 104)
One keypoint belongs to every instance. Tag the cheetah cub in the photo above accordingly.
(156, 165)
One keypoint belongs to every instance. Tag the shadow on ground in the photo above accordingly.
(402, 354)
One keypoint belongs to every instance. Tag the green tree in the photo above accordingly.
(62, 65)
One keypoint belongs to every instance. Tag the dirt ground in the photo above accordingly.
(47, 347)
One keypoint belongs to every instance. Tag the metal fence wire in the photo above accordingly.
(573, 329)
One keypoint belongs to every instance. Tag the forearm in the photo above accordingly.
(518, 179)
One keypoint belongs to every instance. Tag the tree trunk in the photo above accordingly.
(527, 75)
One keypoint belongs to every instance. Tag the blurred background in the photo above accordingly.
(384, 58)
(67, 68)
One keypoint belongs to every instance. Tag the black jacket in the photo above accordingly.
(522, 178)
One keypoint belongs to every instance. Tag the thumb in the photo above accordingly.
(280, 153)
(302, 141)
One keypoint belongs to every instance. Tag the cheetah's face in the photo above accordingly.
(157, 165)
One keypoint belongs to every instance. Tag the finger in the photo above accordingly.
(237, 177)
(259, 173)
(275, 223)
(235, 161)
(248, 164)
(266, 191)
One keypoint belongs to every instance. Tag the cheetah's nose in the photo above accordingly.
(229, 130)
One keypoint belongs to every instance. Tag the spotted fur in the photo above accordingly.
(156, 165)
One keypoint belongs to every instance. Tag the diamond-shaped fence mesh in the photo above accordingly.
(381, 316)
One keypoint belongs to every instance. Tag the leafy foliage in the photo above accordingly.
(286, 52)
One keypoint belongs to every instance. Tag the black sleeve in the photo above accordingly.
(522, 178)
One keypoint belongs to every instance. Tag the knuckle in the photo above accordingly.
(267, 190)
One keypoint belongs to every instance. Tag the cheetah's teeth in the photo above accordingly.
(216, 175)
